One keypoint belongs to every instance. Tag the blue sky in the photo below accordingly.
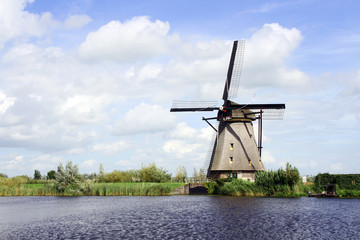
(93, 81)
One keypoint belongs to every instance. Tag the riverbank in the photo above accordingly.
(238, 188)
(91, 189)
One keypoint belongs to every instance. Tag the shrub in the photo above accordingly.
(3, 175)
(37, 174)
(344, 181)
(292, 175)
(51, 175)
(214, 187)
(68, 179)
(151, 173)
(121, 176)
(181, 174)
(239, 187)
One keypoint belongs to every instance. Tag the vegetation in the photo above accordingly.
(66, 181)
(199, 175)
(151, 180)
(151, 173)
(37, 175)
(120, 176)
(3, 175)
(51, 175)
(281, 183)
(181, 174)
(347, 185)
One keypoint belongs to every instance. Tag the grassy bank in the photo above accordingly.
(239, 187)
(89, 189)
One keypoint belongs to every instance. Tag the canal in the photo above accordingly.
(178, 217)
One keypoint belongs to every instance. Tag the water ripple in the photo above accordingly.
(178, 217)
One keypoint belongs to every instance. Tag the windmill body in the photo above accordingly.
(235, 153)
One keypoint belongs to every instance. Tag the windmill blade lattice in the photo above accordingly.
(193, 106)
(273, 114)
(237, 69)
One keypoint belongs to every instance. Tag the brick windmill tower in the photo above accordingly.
(235, 153)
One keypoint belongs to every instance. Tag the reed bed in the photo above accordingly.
(90, 189)
(132, 189)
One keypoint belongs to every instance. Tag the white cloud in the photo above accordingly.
(266, 157)
(12, 162)
(183, 131)
(179, 148)
(337, 167)
(77, 21)
(127, 164)
(15, 22)
(5, 102)
(353, 86)
(89, 163)
(44, 163)
(145, 118)
(110, 148)
(46, 158)
(135, 39)
(89, 166)
(82, 109)
(265, 57)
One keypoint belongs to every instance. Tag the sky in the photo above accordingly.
(93, 81)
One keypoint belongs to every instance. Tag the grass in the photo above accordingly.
(241, 187)
(90, 189)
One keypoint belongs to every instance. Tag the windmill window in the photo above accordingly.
(231, 159)
(231, 146)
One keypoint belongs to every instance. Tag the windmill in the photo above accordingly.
(235, 152)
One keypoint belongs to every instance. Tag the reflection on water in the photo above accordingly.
(178, 217)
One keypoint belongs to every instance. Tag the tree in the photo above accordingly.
(202, 174)
(101, 176)
(3, 175)
(51, 175)
(181, 174)
(37, 175)
(292, 175)
(195, 174)
(121, 176)
(199, 176)
(151, 173)
(67, 178)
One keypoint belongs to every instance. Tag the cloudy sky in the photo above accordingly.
(92, 81)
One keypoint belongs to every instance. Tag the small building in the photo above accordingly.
(304, 179)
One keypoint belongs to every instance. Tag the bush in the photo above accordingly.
(344, 181)
(37, 174)
(51, 175)
(348, 193)
(121, 176)
(68, 179)
(3, 175)
(214, 187)
(292, 175)
(151, 173)
(240, 187)
(181, 174)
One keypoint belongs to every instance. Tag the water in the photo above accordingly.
(178, 217)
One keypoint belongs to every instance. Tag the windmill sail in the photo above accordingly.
(234, 71)
(193, 106)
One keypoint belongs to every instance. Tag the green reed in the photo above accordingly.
(18, 188)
